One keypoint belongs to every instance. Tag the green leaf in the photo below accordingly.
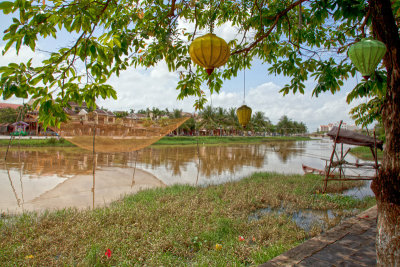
(6, 5)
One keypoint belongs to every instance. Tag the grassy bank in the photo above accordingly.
(192, 140)
(49, 142)
(167, 140)
(176, 226)
(364, 153)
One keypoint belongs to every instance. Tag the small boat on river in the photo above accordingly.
(308, 169)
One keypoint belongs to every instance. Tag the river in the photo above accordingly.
(51, 178)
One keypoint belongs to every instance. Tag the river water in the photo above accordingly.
(47, 178)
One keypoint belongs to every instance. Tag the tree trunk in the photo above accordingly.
(387, 185)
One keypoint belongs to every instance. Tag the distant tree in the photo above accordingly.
(176, 113)
(166, 112)
(189, 125)
(302, 128)
(208, 119)
(156, 112)
(284, 125)
(121, 114)
(8, 115)
(232, 119)
(258, 121)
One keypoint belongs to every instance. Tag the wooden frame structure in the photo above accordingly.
(335, 169)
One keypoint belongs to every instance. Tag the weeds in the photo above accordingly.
(176, 226)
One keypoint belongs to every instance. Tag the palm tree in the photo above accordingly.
(208, 119)
(221, 118)
(156, 112)
(258, 121)
(189, 125)
(176, 114)
(232, 120)
(284, 125)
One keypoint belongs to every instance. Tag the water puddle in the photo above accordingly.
(307, 219)
(360, 192)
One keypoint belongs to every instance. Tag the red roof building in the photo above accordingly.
(8, 105)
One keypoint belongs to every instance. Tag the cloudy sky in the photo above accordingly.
(156, 87)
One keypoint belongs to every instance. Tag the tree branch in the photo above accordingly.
(172, 11)
(362, 27)
(265, 35)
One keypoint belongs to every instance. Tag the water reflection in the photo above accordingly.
(308, 218)
(41, 178)
(37, 179)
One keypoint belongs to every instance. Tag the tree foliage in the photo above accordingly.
(218, 118)
(8, 115)
(300, 39)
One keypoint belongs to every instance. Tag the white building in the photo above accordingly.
(327, 128)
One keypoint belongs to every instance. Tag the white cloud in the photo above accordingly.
(139, 89)
(310, 110)
(24, 55)
(155, 87)
(226, 31)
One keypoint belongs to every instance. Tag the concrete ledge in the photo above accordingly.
(355, 236)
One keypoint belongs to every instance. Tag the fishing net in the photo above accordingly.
(117, 135)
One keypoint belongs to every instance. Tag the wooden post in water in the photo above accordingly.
(330, 161)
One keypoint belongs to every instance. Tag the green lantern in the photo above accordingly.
(244, 115)
(366, 55)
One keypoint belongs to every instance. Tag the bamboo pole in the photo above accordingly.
(331, 158)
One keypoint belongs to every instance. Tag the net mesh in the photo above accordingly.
(119, 135)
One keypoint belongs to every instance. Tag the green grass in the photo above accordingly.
(365, 153)
(167, 140)
(49, 142)
(192, 140)
(175, 226)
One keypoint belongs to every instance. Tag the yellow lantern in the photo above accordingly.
(244, 115)
(209, 51)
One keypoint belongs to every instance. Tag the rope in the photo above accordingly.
(12, 136)
(94, 161)
(198, 156)
(134, 170)
(12, 186)
(244, 81)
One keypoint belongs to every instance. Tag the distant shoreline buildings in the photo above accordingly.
(209, 122)
(327, 128)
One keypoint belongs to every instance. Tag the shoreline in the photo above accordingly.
(76, 192)
(46, 141)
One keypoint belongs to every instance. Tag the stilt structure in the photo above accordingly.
(335, 170)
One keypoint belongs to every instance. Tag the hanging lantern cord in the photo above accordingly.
(212, 17)
(244, 81)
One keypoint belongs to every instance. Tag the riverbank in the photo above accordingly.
(364, 153)
(181, 225)
(167, 140)
(208, 140)
(36, 142)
